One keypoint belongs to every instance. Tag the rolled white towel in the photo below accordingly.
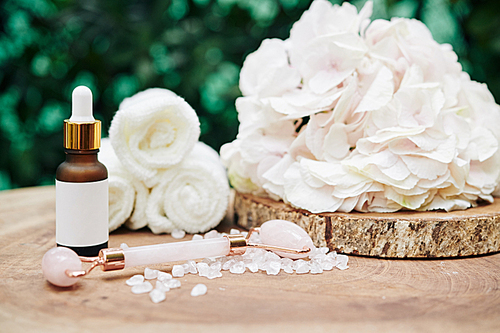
(126, 194)
(192, 196)
(152, 130)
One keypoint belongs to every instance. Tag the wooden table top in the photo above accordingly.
(373, 295)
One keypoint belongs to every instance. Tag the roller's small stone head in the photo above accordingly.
(56, 261)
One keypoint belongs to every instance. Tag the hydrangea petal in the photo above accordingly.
(325, 80)
(379, 93)
(410, 202)
(266, 72)
(336, 145)
(483, 144)
(299, 194)
(424, 167)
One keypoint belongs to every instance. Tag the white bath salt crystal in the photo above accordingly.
(318, 257)
(342, 261)
(238, 268)
(328, 264)
(237, 257)
(313, 252)
(197, 237)
(123, 246)
(150, 274)
(223, 260)
(228, 264)
(172, 284)
(323, 249)
(259, 255)
(319, 253)
(213, 273)
(216, 266)
(135, 280)
(157, 295)
(315, 268)
(342, 258)
(162, 286)
(246, 260)
(212, 259)
(273, 268)
(332, 255)
(208, 261)
(142, 288)
(234, 232)
(244, 234)
(270, 256)
(302, 267)
(255, 238)
(288, 269)
(263, 265)
(199, 290)
(178, 233)
(162, 276)
(248, 254)
(252, 267)
(190, 267)
(297, 263)
(211, 234)
(202, 268)
(177, 271)
(286, 265)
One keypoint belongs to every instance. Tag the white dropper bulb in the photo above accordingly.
(82, 105)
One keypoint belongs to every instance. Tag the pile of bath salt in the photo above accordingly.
(164, 282)
(253, 260)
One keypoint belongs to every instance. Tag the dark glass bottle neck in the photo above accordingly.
(81, 156)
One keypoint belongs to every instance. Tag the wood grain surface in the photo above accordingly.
(373, 295)
(403, 234)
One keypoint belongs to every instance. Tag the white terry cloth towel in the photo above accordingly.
(192, 196)
(154, 129)
(127, 195)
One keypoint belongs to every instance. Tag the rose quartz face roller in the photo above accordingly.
(62, 267)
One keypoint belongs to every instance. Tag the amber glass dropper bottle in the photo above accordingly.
(82, 182)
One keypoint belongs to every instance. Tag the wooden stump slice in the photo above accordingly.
(393, 235)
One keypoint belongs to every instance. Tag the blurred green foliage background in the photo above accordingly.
(195, 48)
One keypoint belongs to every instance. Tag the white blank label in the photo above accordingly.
(82, 213)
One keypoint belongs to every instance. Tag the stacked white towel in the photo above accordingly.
(127, 195)
(192, 196)
(152, 130)
(154, 144)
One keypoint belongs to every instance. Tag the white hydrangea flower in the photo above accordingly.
(351, 115)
